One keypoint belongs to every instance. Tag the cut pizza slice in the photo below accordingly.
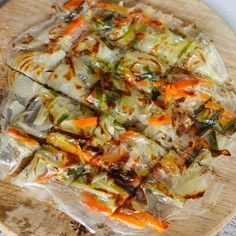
(92, 186)
(160, 35)
(36, 62)
(84, 65)
(173, 182)
(98, 189)
(15, 148)
(39, 109)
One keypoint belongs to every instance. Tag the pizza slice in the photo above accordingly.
(163, 36)
(16, 147)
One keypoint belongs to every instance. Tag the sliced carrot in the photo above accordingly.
(94, 203)
(206, 82)
(130, 219)
(73, 3)
(183, 84)
(95, 161)
(183, 94)
(22, 137)
(154, 23)
(142, 83)
(151, 221)
(86, 122)
(127, 135)
(130, 79)
(213, 105)
(161, 120)
(87, 156)
(45, 178)
(158, 83)
(228, 114)
(113, 7)
(167, 94)
(203, 96)
(74, 25)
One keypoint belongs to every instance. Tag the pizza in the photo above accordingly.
(119, 112)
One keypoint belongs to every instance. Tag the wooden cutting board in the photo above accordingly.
(20, 214)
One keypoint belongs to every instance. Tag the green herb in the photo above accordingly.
(69, 18)
(90, 68)
(77, 172)
(199, 110)
(108, 43)
(188, 162)
(211, 121)
(110, 99)
(133, 42)
(105, 25)
(115, 73)
(212, 139)
(129, 34)
(78, 9)
(186, 48)
(203, 129)
(61, 118)
(148, 74)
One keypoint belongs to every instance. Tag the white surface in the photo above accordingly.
(226, 9)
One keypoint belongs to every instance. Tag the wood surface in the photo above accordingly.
(20, 214)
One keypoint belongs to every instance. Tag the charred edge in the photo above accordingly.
(188, 162)
(195, 195)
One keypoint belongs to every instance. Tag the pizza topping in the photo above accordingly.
(73, 3)
(74, 25)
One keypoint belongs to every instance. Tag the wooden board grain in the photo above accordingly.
(22, 215)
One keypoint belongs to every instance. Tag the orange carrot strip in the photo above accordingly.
(167, 94)
(151, 221)
(161, 120)
(158, 83)
(130, 79)
(95, 161)
(74, 25)
(86, 122)
(213, 105)
(128, 219)
(228, 114)
(183, 94)
(94, 203)
(73, 3)
(154, 23)
(127, 135)
(87, 156)
(45, 178)
(113, 7)
(206, 82)
(22, 137)
(142, 83)
(183, 84)
(203, 96)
